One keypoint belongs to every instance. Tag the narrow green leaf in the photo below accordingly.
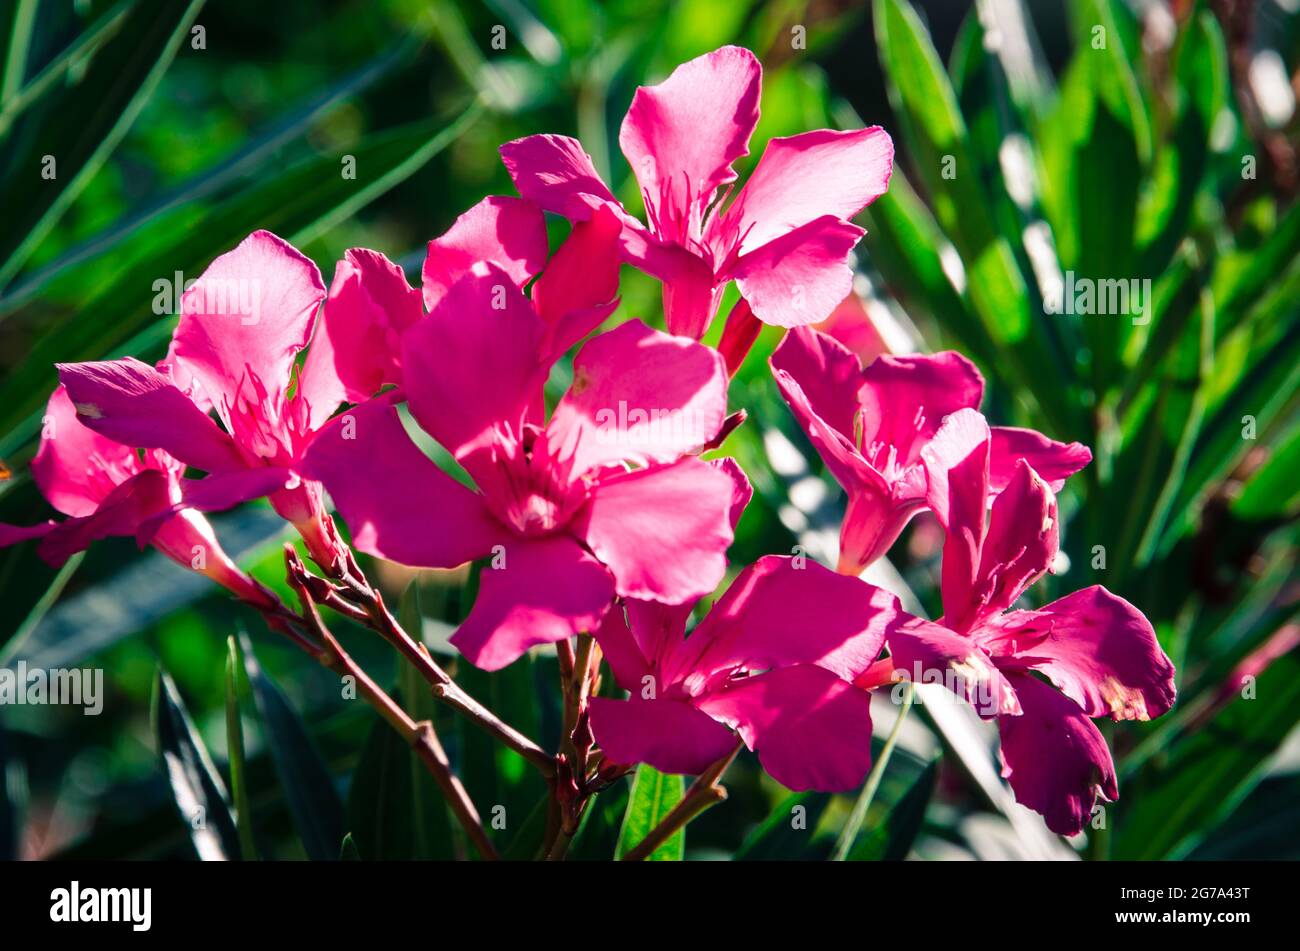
(380, 801)
(235, 747)
(299, 202)
(890, 837)
(308, 786)
(79, 125)
(348, 851)
(1205, 774)
(653, 796)
(431, 823)
(197, 789)
(787, 832)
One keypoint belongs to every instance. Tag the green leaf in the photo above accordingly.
(140, 595)
(348, 851)
(597, 837)
(653, 796)
(235, 747)
(197, 789)
(10, 814)
(381, 802)
(890, 837)
(80, 123)
(308, 786)
(787, 832)
(940, 147)
(1168, 809)
(299, 202)
(432, 836)
(1157, 448)
(1273, 491)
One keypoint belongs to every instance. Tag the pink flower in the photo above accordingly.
(772, 660)
(370, 303)
(786, 237)
(234, 352)
(109, 489)
(569, 522)
(871, 427)
(1097, 649)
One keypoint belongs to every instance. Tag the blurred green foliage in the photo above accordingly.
(1026, 150)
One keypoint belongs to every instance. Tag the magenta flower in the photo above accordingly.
(772, 660)
(871, 426)
(1098, 650)
(234, 352)
(108, 489)
(370, 303)
(785, 238)
(555, 503)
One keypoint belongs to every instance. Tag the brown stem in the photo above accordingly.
(704, 793)
(365, 604)
(421, 736)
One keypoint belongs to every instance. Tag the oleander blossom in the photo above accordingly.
(107, 489)
(570, 521)
(234, 352)
(773, 660)
(371, 304)
(785, 238)
(871, 426)
(1098, 651)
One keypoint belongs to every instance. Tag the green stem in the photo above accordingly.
(859, 814)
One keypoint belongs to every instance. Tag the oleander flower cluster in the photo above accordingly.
(600, 516)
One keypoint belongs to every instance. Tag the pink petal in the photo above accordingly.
(1053, 755)
(662, 531)
(1103, 654)
(820, 381)
(75, 467)
(639, 394)
(1020, 544)
(1053, 461)
(804, 177)
(547, 590)
(121, 513)
(873, 520)
(682, 135)
(742, 491)
(554, 172)
(356, 348)
(780, 612)
(474, 362)
(507, 232)
(810, 729)
(929, 653)
(670, 735)
(689, 285)
(14, 534)
(905, 399)
(621, 650)
(577, 290)
(956, 466)
(827, 373)
(134, 404)
(800, 277)
(659, 630)
(252, 310)
(397, 502)
(214, 493)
